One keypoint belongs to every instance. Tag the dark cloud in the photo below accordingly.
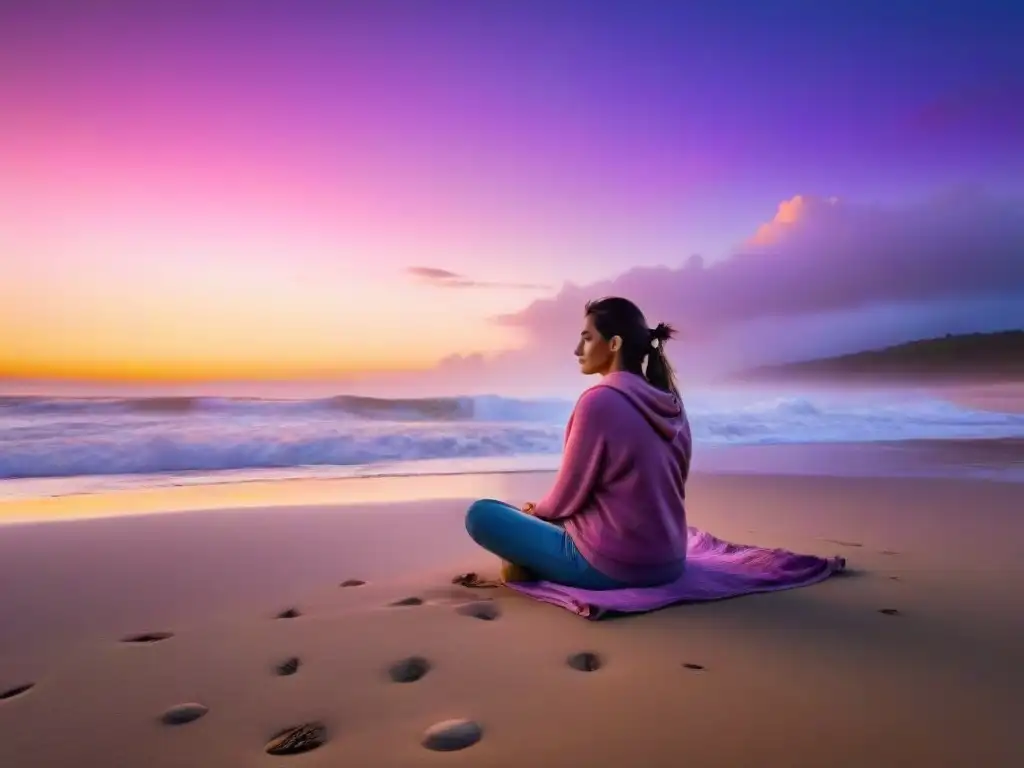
(444, 278)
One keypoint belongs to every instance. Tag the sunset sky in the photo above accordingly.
(310, 189)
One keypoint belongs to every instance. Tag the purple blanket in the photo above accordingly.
(715, 570)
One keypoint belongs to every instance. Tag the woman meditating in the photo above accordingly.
(615, 517)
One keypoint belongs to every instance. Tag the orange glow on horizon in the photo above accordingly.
(139, 372)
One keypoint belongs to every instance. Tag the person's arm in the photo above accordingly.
(582, 459)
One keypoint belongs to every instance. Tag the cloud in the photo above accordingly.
(821, 255)
(823, 276)
(443, 278)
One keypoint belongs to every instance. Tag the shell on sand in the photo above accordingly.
(451, 735)
(297, 739)
(184, 713)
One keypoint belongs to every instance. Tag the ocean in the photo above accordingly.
(57, 446)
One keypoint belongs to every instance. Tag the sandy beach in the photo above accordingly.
(809, 677)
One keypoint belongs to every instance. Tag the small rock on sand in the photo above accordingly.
(290, 613)
(184, 713)
(297, 739)
(889, 611)
(353, 583)
(451, 735)
(288, 666)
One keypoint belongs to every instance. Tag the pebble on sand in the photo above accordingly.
(452, 735)
(290, 613)
(297, 739)
(690, 665)
(17, 690)
(184, 713)
(353, 583)
(889, 611)
(288, 666)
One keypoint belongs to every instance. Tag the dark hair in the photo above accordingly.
(615, 316)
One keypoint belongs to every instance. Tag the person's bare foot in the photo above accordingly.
(512, 572)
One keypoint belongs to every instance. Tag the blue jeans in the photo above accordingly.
(541, 547)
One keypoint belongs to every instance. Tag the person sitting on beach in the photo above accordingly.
(615, 516)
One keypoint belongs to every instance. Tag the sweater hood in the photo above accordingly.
(662, 410)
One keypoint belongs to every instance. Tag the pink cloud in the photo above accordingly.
(819, 255)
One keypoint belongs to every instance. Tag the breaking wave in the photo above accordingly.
(60, 437)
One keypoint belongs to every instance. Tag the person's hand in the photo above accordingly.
(528, 508)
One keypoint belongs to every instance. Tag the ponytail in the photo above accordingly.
(659, 371)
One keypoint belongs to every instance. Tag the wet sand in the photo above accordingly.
(913, 658)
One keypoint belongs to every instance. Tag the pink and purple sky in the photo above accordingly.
(316, 190)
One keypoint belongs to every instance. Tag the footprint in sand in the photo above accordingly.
(148, 637)
(290, 613)
(451, 735)
(844, 543)
(696, 667)
(17, 690)
(352, 583)
(473, 580)
(405, 601)
(297, 739)
(585, 661)
(409, 670)
(485, 610)
(288, 666)
(890, 611)
(184, 713)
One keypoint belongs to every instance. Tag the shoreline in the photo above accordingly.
(995, 460)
